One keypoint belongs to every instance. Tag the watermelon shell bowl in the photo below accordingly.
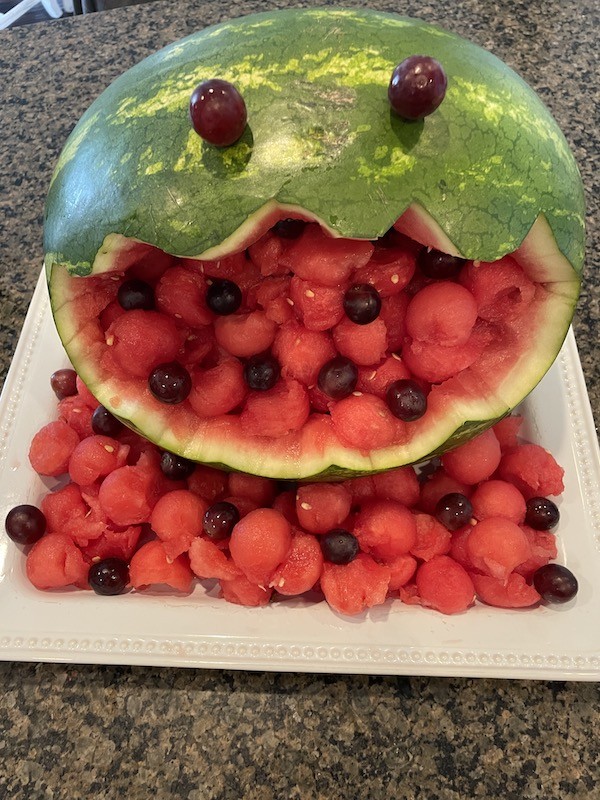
(326, 190)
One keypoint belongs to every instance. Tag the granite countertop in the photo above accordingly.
(72, 731)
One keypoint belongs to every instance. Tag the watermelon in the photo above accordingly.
(488, 178)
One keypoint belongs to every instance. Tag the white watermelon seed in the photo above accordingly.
(372, 375)
(309, 293)
(396, 356)
(357, 394)
(110, 340)
(306, 506)
(109, 448)
(395, 278)
(290, 301)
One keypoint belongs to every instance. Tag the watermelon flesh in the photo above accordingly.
(472, 366)
(278, 548)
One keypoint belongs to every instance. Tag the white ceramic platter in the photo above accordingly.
(200, 630)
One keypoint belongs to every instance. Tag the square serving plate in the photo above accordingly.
(201, 630)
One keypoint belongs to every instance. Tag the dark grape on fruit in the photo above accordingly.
(261, 372)
(406, 400)
(437, 265)
(25, 524)
(219, 520)
(170, 383)
(64, 383)
(339, 546)
(417, 87)
(136, 294)
(176, 468)
(362, 303)
(223, 297)
(218, 112)
(454, 510)
(338, 377)
(289, 228)
(104, 423)
(541, 514)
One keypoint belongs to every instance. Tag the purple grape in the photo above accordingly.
(261, 372)
(218, 112)
(542, 514)
(555, 583)
(223, 297)
(417, 87)
(219, 520)
(362, 303)
(25, 524)
(437, 265)
(136, 294)
(339, 546)
(454, 510)
(338, 377)
(406, 400)
(170, 383)
(109, 576)
(176, 468)
(104, 423)
(289, 228)
(64, 383)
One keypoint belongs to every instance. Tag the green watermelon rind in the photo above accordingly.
(321, 137)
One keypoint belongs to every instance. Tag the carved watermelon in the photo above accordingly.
(487, 177)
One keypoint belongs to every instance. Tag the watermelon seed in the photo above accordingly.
(372, 375)
(76, 411)
(115, 277)
(88, 513)
(281, 582)
(306, 506)
(357, 394)
(290, 301)
(477, 263)
(110, 340)
(309, 293)
(96, 559)
(395, 278)
(109, 448)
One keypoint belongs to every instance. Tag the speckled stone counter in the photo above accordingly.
(72, 731)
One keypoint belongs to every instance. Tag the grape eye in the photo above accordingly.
(218, 112)
(417, 87)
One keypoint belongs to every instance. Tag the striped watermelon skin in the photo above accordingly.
(321, 136)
